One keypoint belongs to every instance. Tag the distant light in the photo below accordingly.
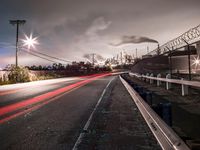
(113, 65)
(30, 41)
(196, 61)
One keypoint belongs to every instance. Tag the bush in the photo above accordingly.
(18, 74)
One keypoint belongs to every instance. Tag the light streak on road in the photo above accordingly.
(43, 98)
(9, 87)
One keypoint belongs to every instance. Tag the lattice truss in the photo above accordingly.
(191, 36)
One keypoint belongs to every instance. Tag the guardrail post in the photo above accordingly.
(143, 78)
(147, 80)
(184, 89)
(151, 80)
(158, 82)
(168, 84)
(140, 77)
(130, 74)
(167, 113)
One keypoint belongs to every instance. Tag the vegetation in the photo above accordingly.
(18, 74)
(76, 68)
(25, 74)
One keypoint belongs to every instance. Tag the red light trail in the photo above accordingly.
(43, 99)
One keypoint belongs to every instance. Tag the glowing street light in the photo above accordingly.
(30, 41)
(196, 61)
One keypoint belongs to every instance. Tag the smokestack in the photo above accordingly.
(147, 49)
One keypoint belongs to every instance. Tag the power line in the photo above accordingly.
(46, 55)
(50, 56)
(39, 56)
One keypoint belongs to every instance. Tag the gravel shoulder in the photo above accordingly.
(118, 124)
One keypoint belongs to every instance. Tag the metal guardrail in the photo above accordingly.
(135, 74)
(183, 83)
(165, 136)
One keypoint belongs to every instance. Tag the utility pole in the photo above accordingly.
(17, 22)
(93, 59)
(147, 49)
(136, 52)
(121, 57)
(158, 50)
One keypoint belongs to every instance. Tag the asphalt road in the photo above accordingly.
(49, 114)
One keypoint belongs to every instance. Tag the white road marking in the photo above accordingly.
(78, 141)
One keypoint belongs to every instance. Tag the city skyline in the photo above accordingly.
(70, 29)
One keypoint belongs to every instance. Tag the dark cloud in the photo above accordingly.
(134, 40)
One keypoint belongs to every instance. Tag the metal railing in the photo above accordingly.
(184, 83)
(166, 137)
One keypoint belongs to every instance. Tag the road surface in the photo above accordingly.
(48, 114)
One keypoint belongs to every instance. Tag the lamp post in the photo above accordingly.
(17, 22)
(189, 53)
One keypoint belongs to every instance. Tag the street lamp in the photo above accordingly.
(196, 62)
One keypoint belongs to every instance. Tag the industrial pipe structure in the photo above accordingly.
(192, 36)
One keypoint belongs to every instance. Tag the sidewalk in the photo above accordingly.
(118, 124)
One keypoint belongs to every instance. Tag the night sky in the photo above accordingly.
(71, 28)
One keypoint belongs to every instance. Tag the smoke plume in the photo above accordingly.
(134, 39)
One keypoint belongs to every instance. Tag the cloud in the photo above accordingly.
(134, 39)
(93, 37)
(70, 29)
(99, 24)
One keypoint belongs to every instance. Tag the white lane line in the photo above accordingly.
(78, 141)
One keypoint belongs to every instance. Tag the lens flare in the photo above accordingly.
(196, 61)
(30, 42)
